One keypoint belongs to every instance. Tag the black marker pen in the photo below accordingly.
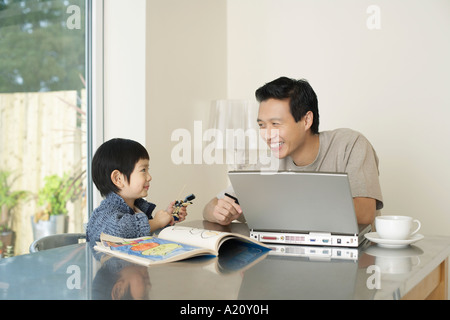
(234, 198)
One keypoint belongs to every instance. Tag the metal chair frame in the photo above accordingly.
(56, 240)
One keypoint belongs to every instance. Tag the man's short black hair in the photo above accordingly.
(115, 154)
(301, 95)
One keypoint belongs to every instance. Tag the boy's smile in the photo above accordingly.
(139, 183)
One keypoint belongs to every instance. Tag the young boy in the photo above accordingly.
(120, 171)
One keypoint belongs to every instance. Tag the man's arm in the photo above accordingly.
(365, 210)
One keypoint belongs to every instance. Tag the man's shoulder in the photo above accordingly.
(341, 136)
(342, 133)
(344, 139)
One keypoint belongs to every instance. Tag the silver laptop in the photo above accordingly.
(307, 208)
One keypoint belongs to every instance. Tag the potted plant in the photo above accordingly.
(8, 201)
(51, 216)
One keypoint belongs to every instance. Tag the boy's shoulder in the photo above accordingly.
(145, 206)
(112, 203)
(115, 203)
(113, 199)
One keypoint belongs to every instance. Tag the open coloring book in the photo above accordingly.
(173, 244)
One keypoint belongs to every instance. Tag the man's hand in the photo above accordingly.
(222, 211)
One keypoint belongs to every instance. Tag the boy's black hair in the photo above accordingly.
(115, 154)
(301, 95)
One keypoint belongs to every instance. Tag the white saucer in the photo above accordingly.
(388, 243)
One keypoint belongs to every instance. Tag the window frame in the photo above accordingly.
(95, 89)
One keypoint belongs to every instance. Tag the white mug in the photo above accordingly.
(395, 227)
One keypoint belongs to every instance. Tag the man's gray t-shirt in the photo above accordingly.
(344, 151)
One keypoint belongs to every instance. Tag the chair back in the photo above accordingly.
(56, 240)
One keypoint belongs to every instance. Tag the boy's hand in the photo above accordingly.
(182, 212)
(170, 207)
(163, 218)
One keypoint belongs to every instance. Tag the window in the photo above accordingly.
(43, 120)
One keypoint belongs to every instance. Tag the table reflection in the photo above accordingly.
(118, 279)
(239, 272)
(205, 277)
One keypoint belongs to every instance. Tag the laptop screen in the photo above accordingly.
(290, 201)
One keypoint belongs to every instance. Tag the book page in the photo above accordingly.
(151, 248)
(193, 236)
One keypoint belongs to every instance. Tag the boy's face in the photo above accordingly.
(139, 182)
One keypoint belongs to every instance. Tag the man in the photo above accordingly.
(288, 118)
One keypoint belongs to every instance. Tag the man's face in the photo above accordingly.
(278, 128)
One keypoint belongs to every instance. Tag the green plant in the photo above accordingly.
(56, 193)
(8, 199)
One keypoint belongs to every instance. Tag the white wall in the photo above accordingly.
(124, 70)
(164, 63)
(119, 73)
(392, 83)
(186, 70)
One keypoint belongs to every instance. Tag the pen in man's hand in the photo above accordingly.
(234, 198)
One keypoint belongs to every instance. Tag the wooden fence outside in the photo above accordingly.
(41, 134)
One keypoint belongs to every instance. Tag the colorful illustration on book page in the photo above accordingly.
(152, 248)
